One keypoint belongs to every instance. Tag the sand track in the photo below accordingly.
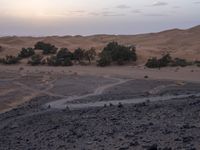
(61, 104)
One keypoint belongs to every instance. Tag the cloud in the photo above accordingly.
(111, 13)
(176, 7)
(106, 14)
(159, 3)
(155, 15)
(197, 2)
(123, 6)
(94, 14)
(137, 11)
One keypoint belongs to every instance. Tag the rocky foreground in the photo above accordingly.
(164, 125)
(173, 124)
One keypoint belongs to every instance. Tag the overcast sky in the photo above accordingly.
(86, 17)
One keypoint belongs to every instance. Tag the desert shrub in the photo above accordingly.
(26, 52)
(63, 58)
(65, 53)
(10, 60)
(158, 63)
(1, 48)
(179, 62)
(46, 47)
(197, 63)
(165, 60)
(119, 53)
(79, 54)
(35, 60)
(90, 54)
(105, 59)
(152, 63)
(67, 62)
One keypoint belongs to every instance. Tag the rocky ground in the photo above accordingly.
(167, 125)
(173, 124)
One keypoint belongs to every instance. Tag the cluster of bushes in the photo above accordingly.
(26, 52)
(165, 61)
(197, 63)
(158, 63)
(180, 62)
(8, 60)
(63, 58)
(112, 53)
(66, 58)
(46, 48)
(116, 53)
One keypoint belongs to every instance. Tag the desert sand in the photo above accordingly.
(180, 43)
(92, 108)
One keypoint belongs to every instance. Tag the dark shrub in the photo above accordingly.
(90, 54)
(1, 48)
(63, 58)
(119, 53)
(64, 53)
(105, 59)
(158, 63)
(165, 60)
(46, 47)
(197, 63)
(35, 60)
(79, 54)
(179, 62)
(26, 52)
(67, 62)
(10, 60)
(152, 63)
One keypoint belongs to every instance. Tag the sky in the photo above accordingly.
(88, 17)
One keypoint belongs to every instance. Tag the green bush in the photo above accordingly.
(35, 60)
(1, 48)
(158, 63)
(26, 52)
(63, 58)
(152, 63)
(119, 53)
(67, 62)
(64, 53)
(165, 60)
(90, 54)
(79, 54)
(179, 62)
(10, 60)
(46, 47)
(197, 63)
(105, 59)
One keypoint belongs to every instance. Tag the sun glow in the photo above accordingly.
(34, 9)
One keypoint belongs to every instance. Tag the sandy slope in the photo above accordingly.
(181, 43)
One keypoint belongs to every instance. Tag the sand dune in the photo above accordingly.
(180, 43)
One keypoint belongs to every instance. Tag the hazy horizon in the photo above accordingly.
(73, 17)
